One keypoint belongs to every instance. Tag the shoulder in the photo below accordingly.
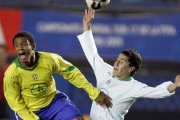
(139, 84)
(48, 55)
(11, 70)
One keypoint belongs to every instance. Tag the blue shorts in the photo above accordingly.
(61, 108)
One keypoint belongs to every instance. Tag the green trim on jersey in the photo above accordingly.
(69, 69)
(16, 61)
(126, 79)
(30, 89)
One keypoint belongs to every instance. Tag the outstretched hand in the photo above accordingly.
(88, 17)
(177, 81)
(104, 100)
(175, 85)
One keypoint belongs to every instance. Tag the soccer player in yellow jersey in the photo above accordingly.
(30, 89)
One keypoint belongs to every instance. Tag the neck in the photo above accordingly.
(126, 79)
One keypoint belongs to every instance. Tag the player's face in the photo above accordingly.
(24, 50)
(121, 67)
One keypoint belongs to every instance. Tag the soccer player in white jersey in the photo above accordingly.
(117, 80)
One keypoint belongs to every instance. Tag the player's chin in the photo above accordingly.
(22, 60)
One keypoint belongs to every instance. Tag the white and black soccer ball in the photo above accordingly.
(97, 4)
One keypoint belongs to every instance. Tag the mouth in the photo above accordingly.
(22, 56)
(114, 68)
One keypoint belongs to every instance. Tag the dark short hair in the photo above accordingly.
(28, 35)
(134, 59)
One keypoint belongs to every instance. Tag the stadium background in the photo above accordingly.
(150, 26)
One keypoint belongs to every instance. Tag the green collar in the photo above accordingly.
(126, 79)
(16, 61)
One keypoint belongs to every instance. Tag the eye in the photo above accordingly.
(24, 44)
(16, 45)
(122, 61)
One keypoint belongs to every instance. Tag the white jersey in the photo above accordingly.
(123, 92)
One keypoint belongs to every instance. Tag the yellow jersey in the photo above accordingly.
(30, 89)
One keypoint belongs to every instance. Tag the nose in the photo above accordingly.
(115, 63)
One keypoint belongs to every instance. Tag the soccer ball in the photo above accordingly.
(97, 4)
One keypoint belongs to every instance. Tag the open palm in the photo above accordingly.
(88, 17)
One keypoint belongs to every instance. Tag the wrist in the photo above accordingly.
(87, 27)
(98, 95)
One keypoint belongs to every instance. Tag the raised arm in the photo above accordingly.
(89, 47)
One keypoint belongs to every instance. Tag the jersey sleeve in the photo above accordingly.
(88, 45)
(145, 91)
(74, 76)
(12, 94)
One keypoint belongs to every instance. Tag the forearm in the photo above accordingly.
(21, 109)
(172, 88)
(88, 45)
(87, 26)
(160, 91)
(79, 80)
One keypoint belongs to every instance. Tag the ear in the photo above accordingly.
(131, 69)
(34, 47)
